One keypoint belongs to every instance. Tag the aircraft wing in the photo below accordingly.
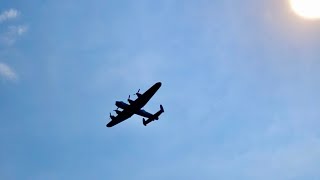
(123, 115)
(144, 113)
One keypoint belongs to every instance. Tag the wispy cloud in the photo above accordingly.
(17, 30)
(10, 36)
(9, 14)
(7, 73)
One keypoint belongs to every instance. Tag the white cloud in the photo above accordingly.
(21, 30)
(17, 30)
(11, 35)
(9, 14)
(7, 73)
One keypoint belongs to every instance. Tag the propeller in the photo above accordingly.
(137, 92)
(129, 100)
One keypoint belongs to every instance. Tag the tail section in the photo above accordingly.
(153, 117)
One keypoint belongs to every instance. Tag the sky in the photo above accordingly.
(240, 90)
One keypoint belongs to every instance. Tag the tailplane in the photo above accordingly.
(153, 117)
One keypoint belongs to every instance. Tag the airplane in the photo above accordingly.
(135, 107)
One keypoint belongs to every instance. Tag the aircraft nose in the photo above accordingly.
(158, 84)
(110, 124)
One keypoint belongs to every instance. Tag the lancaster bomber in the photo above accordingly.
(135, 107)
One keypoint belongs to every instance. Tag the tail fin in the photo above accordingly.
(161, 108)
(144, 122)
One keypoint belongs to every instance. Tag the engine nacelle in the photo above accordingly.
(121, 104)
(112, 117)
(138, 94)
(117, 111)
(130, 101)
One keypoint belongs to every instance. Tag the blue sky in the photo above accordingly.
(240, 88)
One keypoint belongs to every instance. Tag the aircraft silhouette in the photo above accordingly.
(135, 107)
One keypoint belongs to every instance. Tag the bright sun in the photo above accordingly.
(306, 8)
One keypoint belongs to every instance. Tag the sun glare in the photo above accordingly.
(309, 9)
